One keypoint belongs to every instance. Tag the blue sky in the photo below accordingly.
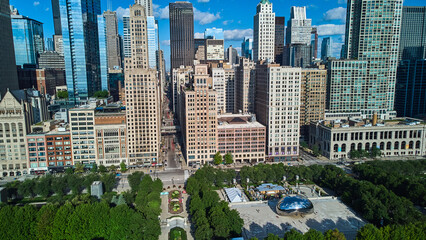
(234, 16)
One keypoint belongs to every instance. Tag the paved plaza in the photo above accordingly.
(261, 219)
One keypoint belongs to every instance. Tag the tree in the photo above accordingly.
(59, 186)
(112, 168)
(375, 152)
(134, 180)
(313, 234)
(334, 235)
(369, 232)
(102, 169)
(62, 94)
(121, 200)
(228, 158)
(123, 167)
(217, 159)
(94, 168)
(26, 189)
(293, 235)
(43, 186)
(101, 94)
(316, 151)
(69, 170)
(45, 218)
(79, 168)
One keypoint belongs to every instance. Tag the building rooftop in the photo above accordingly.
(269, 187)
(238, 121)
(363, 123)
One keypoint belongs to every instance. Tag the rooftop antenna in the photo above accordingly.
(109, 5)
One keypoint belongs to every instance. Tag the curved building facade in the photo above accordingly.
(294, 205)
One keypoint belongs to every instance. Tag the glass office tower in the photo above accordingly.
(81, 47)
(410, 94)
(377, 45)
(103, 56)
(127, 51)
(326, 48)
(28, 39)
(152, 28)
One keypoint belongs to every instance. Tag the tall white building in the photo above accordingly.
(82, 123)
(142, 96)
(299, 28)
(148, 6)
(218, 75)
(264, 32)
(277, 106)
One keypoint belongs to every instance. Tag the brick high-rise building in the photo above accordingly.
(312, 97)
(200, 119)
(142, 95)
(245, 86)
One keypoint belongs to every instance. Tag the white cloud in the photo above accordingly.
(47, 9)
(330, 29)
(205, 17)
(227, 22)
(204, 1)
(335, 14)
(36, 3)
(159, 12)
(237, 34)
(165, 42)
(122, 12)
(198, 35)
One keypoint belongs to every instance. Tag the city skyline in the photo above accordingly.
(208, 14)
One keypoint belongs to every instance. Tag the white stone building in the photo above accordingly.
(264, 32)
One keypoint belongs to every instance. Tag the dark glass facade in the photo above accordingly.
(181, 34)
(410, 91)
(28, 39)
(279, 39)
(8, 76)
(81, 47)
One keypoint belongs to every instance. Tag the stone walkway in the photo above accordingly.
(169, 221)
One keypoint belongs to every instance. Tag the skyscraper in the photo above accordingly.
(81, 47)
(298, 50)
(326, 48)
(148, 6)
(277, 106)
(28, 39)
(200, 102)
(410, 95)
(112, 40)
(279, 39)
(127, 48)
(142, 95)
(56, 17)
(373, 46)
(181, 34)
(152, 28)
(245, 86)
(299, 28)
(8, 73)
(247, 48)
(264, 32)
(103, 52)
(232, 55)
